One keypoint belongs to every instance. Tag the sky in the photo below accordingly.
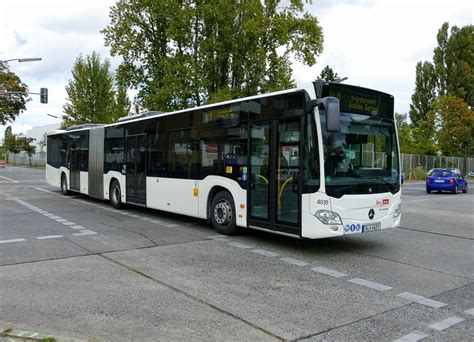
(375, 43)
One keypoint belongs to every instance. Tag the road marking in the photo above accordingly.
(239, 245)
(9, 179)
(81, 229)
(329, 272)
(85, 232)
(77, 227)
(421, 300)
(218, 236)
(156, 221)
(264, 252)
(171, 225)
(49, 237)
(295, 262)
(44, 190)
(411, 337)
(134, 216)
(68, 223)
(446, 323)
(470, 312)
(145, 218)
(12, 240)
(370, 284)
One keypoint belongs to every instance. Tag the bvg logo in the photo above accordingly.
(384, 201)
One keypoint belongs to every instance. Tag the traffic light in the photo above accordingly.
(44, 95)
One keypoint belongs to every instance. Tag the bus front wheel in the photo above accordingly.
(223, 213)
(64, 189)
(116, 195)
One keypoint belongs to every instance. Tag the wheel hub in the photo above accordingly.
(223, 213)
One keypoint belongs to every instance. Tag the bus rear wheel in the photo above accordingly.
(115, 195)
(64, 189)
(223, 213)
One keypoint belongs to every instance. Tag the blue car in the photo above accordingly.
(446, 180)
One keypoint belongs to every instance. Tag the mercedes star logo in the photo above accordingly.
(371, 214)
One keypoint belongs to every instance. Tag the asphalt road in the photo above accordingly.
(76, 268)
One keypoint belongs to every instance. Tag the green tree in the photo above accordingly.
(404, 133)
(13, 145)
(424, 93)
(460, 63)
(455, 126)
(439, 58)
(122, 103)
(42, 143)
(327, 74)
(25, 145)
(11, 105)
(91, 94)
(185, 53)
(6, 134)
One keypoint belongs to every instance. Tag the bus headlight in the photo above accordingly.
(398, 211)
(328, 217)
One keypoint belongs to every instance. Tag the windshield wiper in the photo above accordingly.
(392, 186)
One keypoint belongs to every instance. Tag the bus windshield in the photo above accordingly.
(361, 158)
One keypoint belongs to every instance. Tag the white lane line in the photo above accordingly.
(61, 220)
(446, 323)
(156, 221)
(411, 337)
(12, 240)
(295, 262)
(370, 284)
(171, 225)
(218, 236)
(421, 300)
(85, 232)
(49, 237)
(239, 245)
(44, 190)
(68, 223)
(77, 227)
(329, 272)
(265, 253)
(9, 179)
(145, 218)
(470, 312)
(134, 216)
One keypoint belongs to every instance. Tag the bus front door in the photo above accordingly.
(274, 196)
(136, 175)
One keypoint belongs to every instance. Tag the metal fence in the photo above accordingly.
(37, 160)
(416, 166)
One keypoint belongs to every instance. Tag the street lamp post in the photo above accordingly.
(21, 60)
(43, 92)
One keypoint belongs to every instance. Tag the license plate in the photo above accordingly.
(370, 227)
(439, 180)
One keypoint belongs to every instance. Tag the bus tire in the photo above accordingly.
(64, 189)
(115, 195)
(223, 213)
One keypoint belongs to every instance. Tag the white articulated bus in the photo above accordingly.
(315, 162)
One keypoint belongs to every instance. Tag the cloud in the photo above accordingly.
(378, 43)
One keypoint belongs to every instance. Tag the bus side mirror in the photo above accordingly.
(333, 114)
